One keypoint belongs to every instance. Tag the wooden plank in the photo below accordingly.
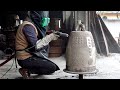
(98, 34)
(112, 44)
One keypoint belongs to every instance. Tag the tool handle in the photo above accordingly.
(62, 34)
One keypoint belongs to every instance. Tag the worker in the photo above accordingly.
(32, 44)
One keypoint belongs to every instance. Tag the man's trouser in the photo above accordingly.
(36, 65)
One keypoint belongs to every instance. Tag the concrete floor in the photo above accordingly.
(14, 74)
(108, 68)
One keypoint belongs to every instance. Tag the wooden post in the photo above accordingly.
(80, 76)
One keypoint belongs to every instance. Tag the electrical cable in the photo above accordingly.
(8, 70)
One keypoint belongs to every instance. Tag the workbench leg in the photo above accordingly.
(80, 76)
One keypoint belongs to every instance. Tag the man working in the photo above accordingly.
(32, 44)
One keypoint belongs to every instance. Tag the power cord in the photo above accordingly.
(8, 70)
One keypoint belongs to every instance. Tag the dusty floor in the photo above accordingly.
(108, 68)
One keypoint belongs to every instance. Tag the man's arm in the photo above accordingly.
(32, 39)
(30, 35)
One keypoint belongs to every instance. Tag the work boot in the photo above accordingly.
(24, 73)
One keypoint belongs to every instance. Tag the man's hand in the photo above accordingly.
(55, 35)
(46, 40)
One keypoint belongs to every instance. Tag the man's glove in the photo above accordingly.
(46, 40)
